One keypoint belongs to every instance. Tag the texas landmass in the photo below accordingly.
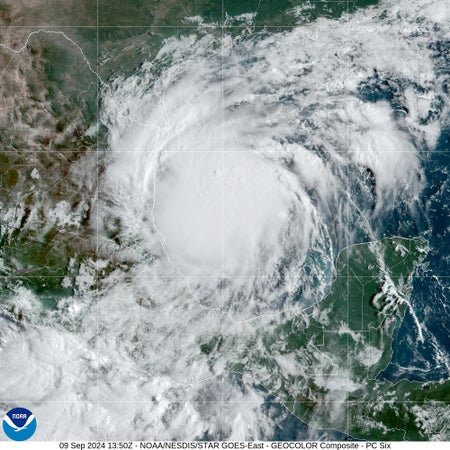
(324, 364)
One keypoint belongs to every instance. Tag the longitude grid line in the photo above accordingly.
(97, 222)
(222, 207)
(347, 231)
(222, 215)
(222, 401)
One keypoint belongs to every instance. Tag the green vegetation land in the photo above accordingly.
(49, 120)
(323, 364)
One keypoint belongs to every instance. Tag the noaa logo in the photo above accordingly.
(19, 424)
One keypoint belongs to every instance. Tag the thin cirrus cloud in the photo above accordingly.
(232, 174)
(241, 158)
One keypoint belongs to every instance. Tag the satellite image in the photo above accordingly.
(225, 220)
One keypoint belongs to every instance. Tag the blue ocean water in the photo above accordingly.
(412, 359)
(431, 285)
(429, 360)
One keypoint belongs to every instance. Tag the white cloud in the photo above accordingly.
(251, 183)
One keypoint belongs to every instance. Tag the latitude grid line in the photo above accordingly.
(97, 25)
(20, 151)
(252, 28)
(155, 275)
(252, 402)
(222, 400)
(193, 27)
